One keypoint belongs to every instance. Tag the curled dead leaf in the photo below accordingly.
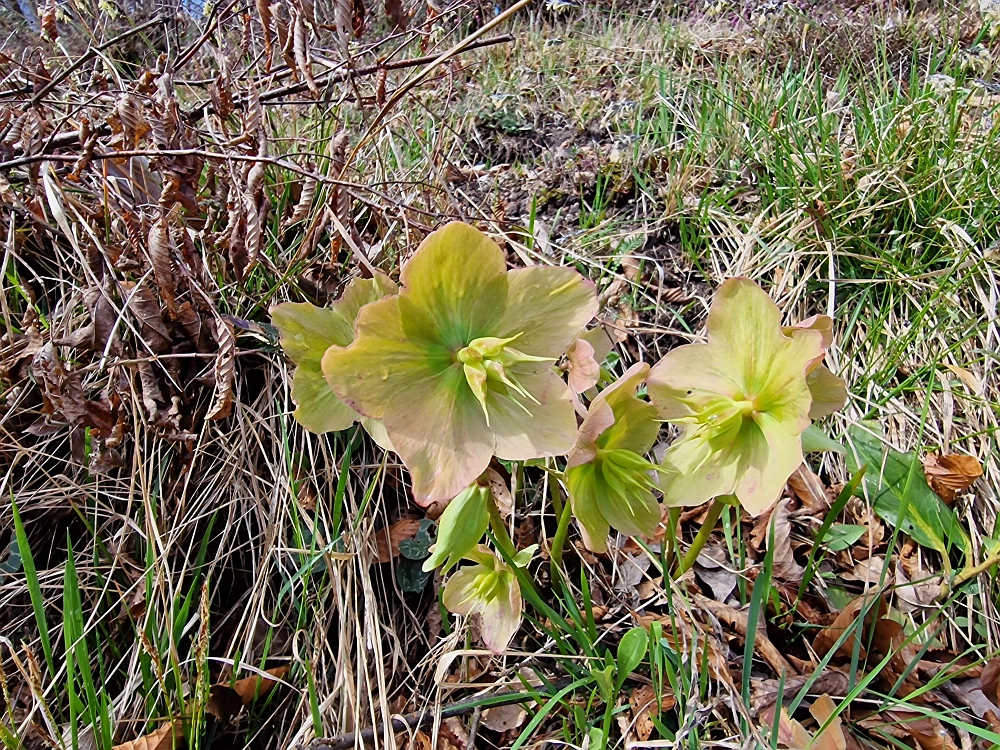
(950, 474)
(643, 706)
(504, 718)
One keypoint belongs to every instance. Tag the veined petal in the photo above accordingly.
(631, 513)
(551, 427)
(361, 292)
(744, 331)
(637, 423)
(599, 339)
(584, 484)
(696, 473)
(599, 418)
(829, 393)
(438, 428)
(500, 617)
(548, 307)
(686, 378)
(306, 333)
(459, 595)
(455, 283)
(381, 361)
(319, 410)
(772, 454)
(583, 368)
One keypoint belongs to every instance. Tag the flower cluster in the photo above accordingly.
(463, 363)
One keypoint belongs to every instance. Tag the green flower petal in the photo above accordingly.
(361, 292)
(829, 393)
(631, 513)
(549, 427)
(460, 528)
(548, 307)
(637, 424)
(376, 431)
(601, 417)
(685, 379)
(308, 331)
(695, 473)
(584, 484)
(459, 595)
(500, 617)
(772, 456)
(319, 410)
(454, 286)
(382, 361)
(744, 330)
(437, 427)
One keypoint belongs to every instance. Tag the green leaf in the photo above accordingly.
(418, 547)
(843, 535)
(631, 651)
(603, 679)
(814, 440)
(929, 522)
(410, 577)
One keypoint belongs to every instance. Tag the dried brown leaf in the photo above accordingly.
(785, 566)
(739, 621)
(991, 680)
(225, 371)
(825, 639)
(951, 473)
(504, 718)
(387, 540)
(809, 489)
(643, 706)
(396, 13)
(143, 305)
(162, 261)
(165, 737)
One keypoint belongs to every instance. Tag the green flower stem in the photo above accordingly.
(499, 529)
(673, 517)
(558, 542)
(714, 512)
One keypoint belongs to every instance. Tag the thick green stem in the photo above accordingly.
(714, 512)
(558, 542)
(500, 529)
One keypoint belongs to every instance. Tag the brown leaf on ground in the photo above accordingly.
(225, 700)
(453, 734)
(225, 371)
(162, 738)
(832, 680)
(642, 704)
(991, 680)
(951, 473)
(387, 540)
(791, 733)
(810, 491)
(504, 718)
(825, 639)
(739, 621)
(833, 737)
(785, 566)
(926, 731)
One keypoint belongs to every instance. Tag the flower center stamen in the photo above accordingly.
(485, 362)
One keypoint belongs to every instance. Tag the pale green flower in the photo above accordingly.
(610, 483)
(743, 399)
(489, 590)
(458, 365)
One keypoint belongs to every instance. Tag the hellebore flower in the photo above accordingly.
(458, 365)
(744, 400)
(490, 590)
(610, 483)
(460, 527)
(307, 332)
